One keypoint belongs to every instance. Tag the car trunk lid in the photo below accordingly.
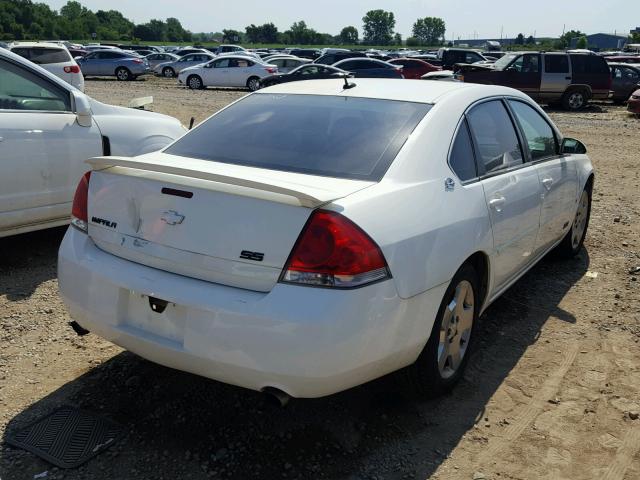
(228, 224)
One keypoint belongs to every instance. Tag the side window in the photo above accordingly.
(495, 136)
(556, 64)
(537, 132)
(24, 90)
(631, 74)
(530, 64)
(347, 65)
(616, 72)
(471, 57)
(224, 63)
(461, 159)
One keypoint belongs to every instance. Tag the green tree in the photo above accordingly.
(531, 40)
(565, 40)
(412, 42)
(349, 35)
(519, 39)
(229, 36)
(429, 30)
(397, 39)
(582, 42)
(175, 32)
(267, 33)
(378, 26)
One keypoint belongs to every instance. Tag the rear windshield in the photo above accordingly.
(332, 136)
(44, 56)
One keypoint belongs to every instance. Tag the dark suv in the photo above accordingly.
(569, 79)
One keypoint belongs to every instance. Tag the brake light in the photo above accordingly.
(79, 214)
(271, 70)
(72, 69)
(137, 60)
(332, 251)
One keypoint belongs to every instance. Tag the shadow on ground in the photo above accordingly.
(183, 426)
(28, 260)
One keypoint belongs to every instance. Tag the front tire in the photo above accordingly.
(574, 239)
(446, 354)
(123, 74)
(194, 82)
(253, 84)
(168, 72)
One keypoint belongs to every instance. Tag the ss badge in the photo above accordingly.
(255, 256)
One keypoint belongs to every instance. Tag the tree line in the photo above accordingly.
(28, 20)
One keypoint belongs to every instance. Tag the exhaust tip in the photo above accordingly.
(276, 397)
(78, 329)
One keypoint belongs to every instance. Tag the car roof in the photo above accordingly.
(57, 46)
(420, 91)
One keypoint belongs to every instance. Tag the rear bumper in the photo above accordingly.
(308, 342)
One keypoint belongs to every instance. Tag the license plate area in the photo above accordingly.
(155, 316)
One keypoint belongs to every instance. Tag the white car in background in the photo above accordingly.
(286, 64)
(309, 237)
(227, 71)
(54, 58)
(47, 131)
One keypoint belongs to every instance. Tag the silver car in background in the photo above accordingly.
(156, 59)
(110, 63)
(173, 68)
(286, 63)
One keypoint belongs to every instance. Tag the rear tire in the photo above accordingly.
(574, 239)
(168, 72)
(574, 100)
(194, 82)
(253, 84)
(123, 74)
(446, 354)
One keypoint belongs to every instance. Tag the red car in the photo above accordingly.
(633, 104)
(414, 68)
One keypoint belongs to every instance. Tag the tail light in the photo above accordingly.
(79, 215)
(137, 60)
(332, 251)
(271, 70)
(72, 69)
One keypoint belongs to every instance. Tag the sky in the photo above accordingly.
(464, 18)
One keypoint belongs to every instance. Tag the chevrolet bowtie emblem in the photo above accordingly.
(171, 217)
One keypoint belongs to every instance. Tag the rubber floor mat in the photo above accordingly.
(68, 437)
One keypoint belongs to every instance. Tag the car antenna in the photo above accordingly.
(348, 85)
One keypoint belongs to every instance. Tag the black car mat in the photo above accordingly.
(67, 437)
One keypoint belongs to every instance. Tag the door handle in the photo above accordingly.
(567, 78)
(547, 182)
(497, 203)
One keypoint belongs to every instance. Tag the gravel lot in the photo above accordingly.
(553, 391)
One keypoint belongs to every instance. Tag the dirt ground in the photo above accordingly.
(552, 392)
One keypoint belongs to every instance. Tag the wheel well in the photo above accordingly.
(589, 184)
(480, 262)
(122, 68)
(573, 88)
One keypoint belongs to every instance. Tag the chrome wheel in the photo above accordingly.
(122, 74)
(253, 84)
(576, 100)
(195, 83)
(169, 73)
(455, 329)
(580, 222)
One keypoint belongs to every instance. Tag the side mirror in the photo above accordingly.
(82, 108)
(571, 145)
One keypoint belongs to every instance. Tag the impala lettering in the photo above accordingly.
(106, 223)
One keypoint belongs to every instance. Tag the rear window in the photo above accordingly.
(44, 56)
(589, 64)
(343, 137)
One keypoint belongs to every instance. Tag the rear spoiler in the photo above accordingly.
(311, 197)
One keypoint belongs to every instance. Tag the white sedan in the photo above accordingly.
(227, 71)
(47, 131)
(309, 237)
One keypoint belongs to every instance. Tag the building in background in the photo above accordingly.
(603, 41)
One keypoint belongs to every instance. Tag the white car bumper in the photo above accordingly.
(308, 342)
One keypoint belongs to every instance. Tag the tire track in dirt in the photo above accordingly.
(624, 456)
(499, 443)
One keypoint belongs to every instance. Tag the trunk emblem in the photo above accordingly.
(171, 217)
